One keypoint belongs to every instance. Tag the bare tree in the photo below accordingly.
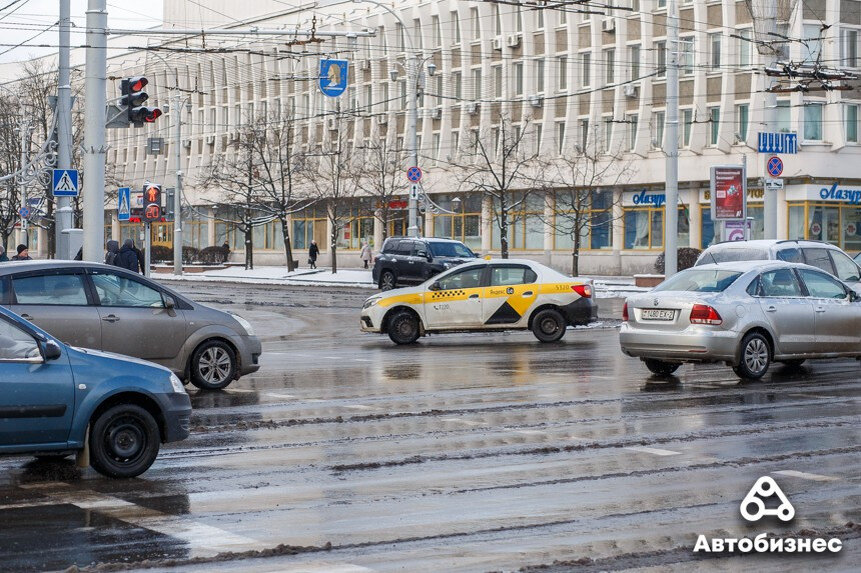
(577, 182)
(10, 162)
(333, 181)
(279, 167)
(383, 179)
(498, 166)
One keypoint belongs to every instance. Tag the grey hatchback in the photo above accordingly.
(106, 308)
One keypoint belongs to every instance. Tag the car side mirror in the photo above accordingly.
(169, 303)
(435, 286)
(476, 255)
(52, 350)
(423, 254)
(854, 296)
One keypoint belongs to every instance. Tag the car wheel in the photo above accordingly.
(387, 280)
(794, 363)
(213, 365)
(124, 441)
(755, 357)
(403, 327)
(548, 325)
(660, 367)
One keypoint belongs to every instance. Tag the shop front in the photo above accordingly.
(826, 212)
(643, 220)
(755, 213)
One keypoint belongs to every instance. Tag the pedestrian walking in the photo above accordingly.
(4, 258)
(313, 251)
(127, 257)
(366, 254)
(141, 258)
(23, 254)
(113, 249)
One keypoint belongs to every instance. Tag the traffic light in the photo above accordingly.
(169, 197)
(133, 98)
(151, 202)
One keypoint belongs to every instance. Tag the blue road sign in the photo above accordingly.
(786, 143)
(24, 212)
(333, 77)
(414, 174)
(124, 204)
(775, 166)
(65, 183)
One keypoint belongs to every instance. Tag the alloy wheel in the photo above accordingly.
(214, 365)
(756, 355)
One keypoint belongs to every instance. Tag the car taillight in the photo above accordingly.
(583, 290)
(704, 314)
(625, 312)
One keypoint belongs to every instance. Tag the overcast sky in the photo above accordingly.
(25, 22)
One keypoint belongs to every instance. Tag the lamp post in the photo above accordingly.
(412, 109)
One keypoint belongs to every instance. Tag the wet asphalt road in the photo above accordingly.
(464, 452)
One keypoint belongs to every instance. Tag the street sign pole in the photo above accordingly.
(147, 249)
(95, 95)
(64, 214)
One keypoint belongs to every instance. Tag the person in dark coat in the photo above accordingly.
(312, 254)
(128, 258)
(23, 254)
(141, 258)
(3, 257)
(113, 249)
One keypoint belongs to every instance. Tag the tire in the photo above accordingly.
(795, 363)
(213, 365)
(387, 280)
(660, 367)
(403, 327)
(548, 325)
(755, 357)
(124, 441)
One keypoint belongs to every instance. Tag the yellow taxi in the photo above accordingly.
(507, 294)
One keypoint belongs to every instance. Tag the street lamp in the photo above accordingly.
(412, 108)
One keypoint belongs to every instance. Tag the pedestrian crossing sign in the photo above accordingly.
(65, 183)
(124, 207)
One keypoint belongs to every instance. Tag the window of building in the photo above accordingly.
(658, 129)
(464, 224)
(539, 76)
(539, 132)
(851, 117)
(610, 66)
(436, 146)
(632, 130)
(562, 74)
(518, 78)
(588, 212)
(686, 56)
(586, 59)
(476, 23)
(497, 21)
(714, 50)
(783, 48)
(661, 58)
(744, 47)
(714, 125)
(826, 222)
(849, 47)
(811, 46)
(644, 227)
(436, 32)
(742, 114)
(563, 17)
(583, 124)
(309, 225)
(560, 137)
(813, 122)
(525, 222)
(662, 4)
(497, 81)
(455, 26)
(539, 19)
(519, 19)
(457, 85)
(687, 124)
(634, 61)
(476, 83)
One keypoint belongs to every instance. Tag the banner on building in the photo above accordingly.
(728, 193)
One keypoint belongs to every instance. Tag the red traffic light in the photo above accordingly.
(137, 83)
(154, 114)
(141, 115)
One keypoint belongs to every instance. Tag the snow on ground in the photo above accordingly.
(605, 287)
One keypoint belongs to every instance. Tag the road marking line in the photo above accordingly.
(276, 395)
(655, 451)
(324, 566)
(203, 540)
(459, 421)
(805, 475)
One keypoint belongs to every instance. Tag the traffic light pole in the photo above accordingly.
(63, 218)
(95, 87)
(176, 111)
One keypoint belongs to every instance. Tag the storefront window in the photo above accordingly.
(644, 228)
(525, 222)
(465, 224)
(309, 225)
(836, 224)
(590, 213)
(707, 226)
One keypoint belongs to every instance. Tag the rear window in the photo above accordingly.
(791, 255)
(405, 248)
(732, 255)
(450, 250)
(693, 280)
(50, 290)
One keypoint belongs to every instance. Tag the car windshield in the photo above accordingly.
(732, 255)
(450, 250)
(699, 281)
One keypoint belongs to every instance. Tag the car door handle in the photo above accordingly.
(27, 317)
(111, 318)
(473, 296)
(820, 309)
(528, 293)
(771, 309)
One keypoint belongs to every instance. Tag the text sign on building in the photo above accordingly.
(777, 143)
(729, 192)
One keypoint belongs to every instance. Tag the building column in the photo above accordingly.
(427, 231)
(115, 227)
(548, 225)
(210, 228)
(696, 214)
(378, 234)
(782, 215)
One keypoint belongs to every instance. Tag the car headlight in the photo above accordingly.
(244, 324)
(176, 384)
(371, 302)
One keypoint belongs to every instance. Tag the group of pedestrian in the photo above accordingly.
(366, 254)
(126, 257)
(23, 254)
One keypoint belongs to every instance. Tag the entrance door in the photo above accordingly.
(456, 303)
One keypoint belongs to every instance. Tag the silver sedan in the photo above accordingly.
(746, 314)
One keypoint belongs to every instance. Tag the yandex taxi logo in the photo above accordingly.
(753, 507)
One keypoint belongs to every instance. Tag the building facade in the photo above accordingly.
(584, 91)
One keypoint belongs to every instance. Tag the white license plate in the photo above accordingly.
(657, 314)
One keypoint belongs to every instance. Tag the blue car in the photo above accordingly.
(56, 400)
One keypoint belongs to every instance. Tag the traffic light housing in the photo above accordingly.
(151, 202)
(133, 97)
(169, 197)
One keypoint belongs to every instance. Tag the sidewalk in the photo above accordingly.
(605, 287)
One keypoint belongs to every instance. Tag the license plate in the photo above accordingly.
(657, 314)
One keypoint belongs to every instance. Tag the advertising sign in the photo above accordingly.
(728, 192)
